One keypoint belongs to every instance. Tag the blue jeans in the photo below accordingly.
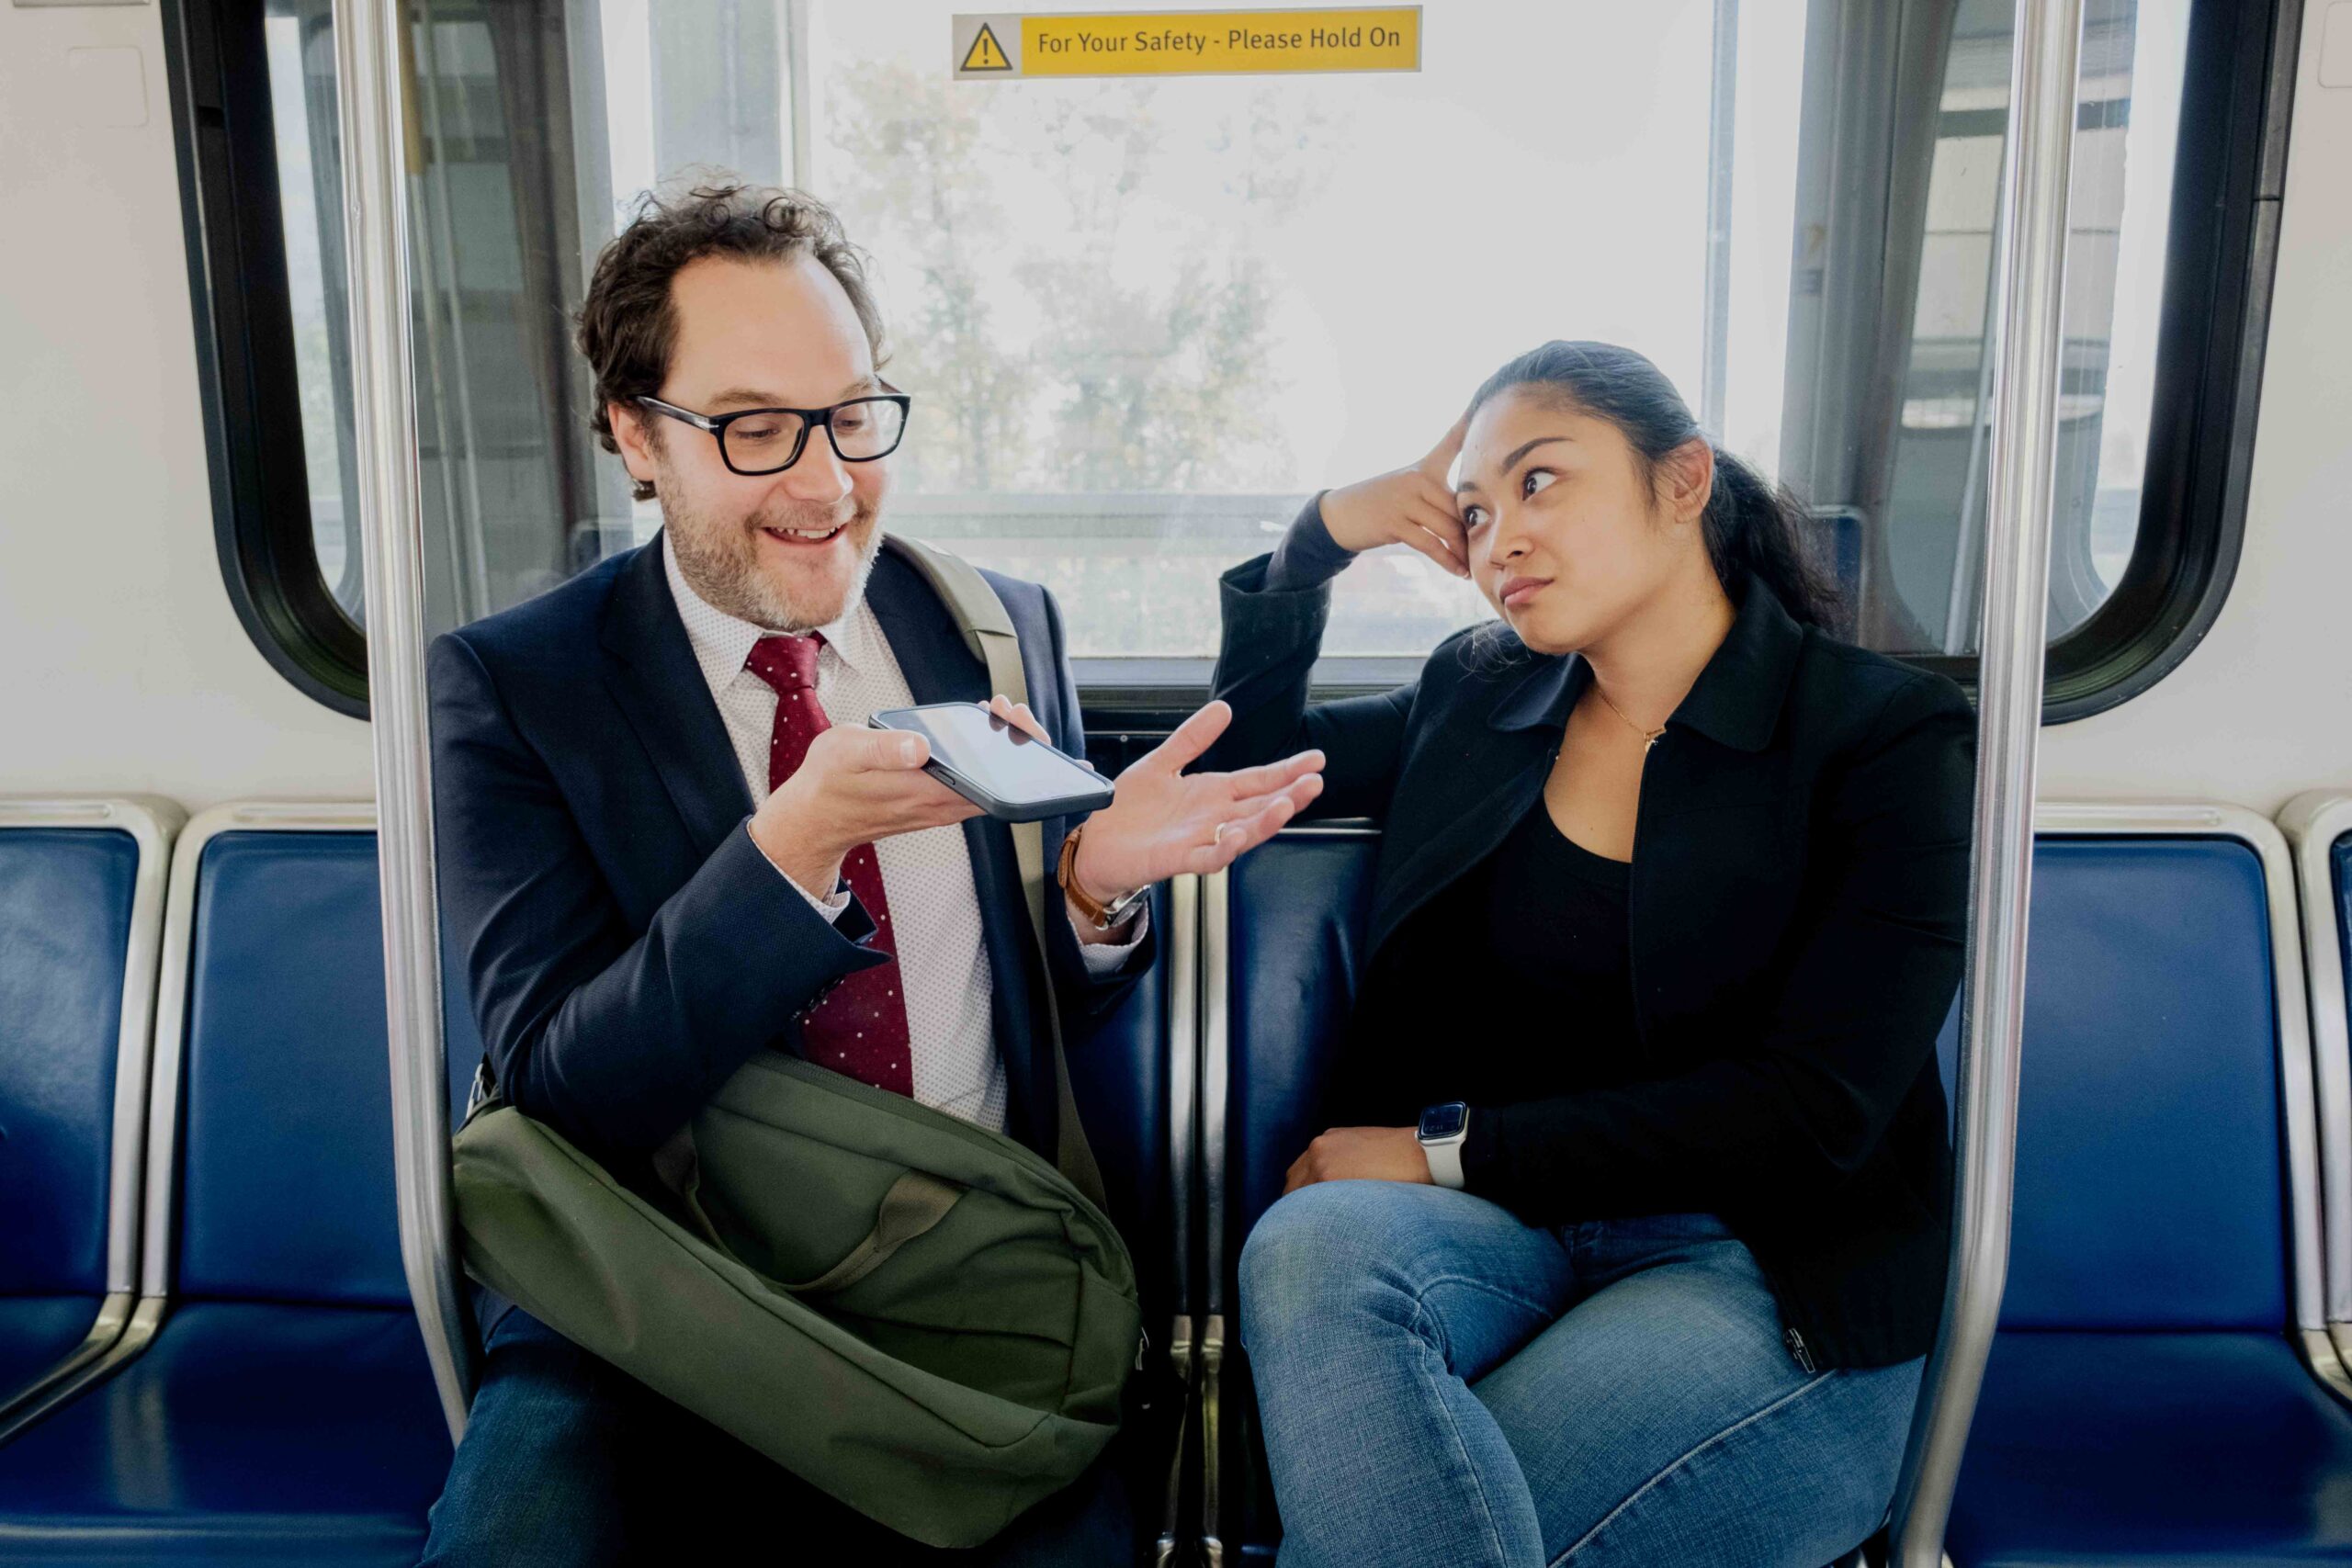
(1441, 1383)
(568, 1461)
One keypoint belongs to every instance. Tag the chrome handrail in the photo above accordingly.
(2028, 350)
(1215, 1046)
(369, 42)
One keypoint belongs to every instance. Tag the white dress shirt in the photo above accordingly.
(927, 876)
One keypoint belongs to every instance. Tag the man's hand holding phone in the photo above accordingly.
(856, 786)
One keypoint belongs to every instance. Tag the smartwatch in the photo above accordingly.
(1442, 1128)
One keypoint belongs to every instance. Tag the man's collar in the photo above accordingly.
(723, 642)
(1736, 702)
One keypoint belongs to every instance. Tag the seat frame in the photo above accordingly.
(121, 1329)
(2311, 824)
(160, 1077)
(2299, 1096)
(1186, 1335)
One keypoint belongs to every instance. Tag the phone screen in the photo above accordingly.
(995, 756)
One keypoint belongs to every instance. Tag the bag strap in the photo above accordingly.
(988, 630)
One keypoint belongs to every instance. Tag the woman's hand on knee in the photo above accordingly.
(1360, 1154)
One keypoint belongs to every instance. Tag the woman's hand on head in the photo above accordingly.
(1411, 506)
(1360, 1154)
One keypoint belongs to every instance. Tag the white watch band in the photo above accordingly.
(1445, 1160)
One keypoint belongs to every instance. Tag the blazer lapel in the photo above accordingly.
(1497, 762)
(650, 669)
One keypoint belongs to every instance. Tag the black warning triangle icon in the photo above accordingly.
(986, 53)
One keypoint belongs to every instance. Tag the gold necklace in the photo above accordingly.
(1649, 736)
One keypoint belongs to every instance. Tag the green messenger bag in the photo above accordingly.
(923, 1318)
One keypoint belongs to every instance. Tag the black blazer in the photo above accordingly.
(625, 944)
(1798, 907)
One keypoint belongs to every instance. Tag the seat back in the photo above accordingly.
(286, 1188)
(2149, 1089)
(1119, 1072)
(1295, 920)
(2151, 1184)
(66, 927)
(1283, 949)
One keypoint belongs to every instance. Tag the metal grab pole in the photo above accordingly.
(2028, 350)
(367, 62)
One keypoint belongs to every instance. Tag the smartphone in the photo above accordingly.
(1000, 769)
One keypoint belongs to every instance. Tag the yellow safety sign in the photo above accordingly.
(1188, 43)
(986, 53)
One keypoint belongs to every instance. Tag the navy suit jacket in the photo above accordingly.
(625, 945)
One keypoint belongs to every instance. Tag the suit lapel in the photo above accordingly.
(650, 670)
(1498, 754)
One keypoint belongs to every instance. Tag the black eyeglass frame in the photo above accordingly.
(715, 428)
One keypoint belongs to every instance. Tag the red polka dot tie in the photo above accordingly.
(860, 1028)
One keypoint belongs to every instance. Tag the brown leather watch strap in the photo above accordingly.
(1098, 915)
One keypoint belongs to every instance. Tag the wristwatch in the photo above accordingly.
(1442, 1128)
(1103, 916)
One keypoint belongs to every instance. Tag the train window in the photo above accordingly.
(302, 116)
(1143, 320)
(1922, 591)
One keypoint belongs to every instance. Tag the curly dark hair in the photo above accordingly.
(627, 325)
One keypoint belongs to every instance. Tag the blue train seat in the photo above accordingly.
(1288, 927)
(286, 1411)
(1119, 1072)
(2145, 1401)
(81, 912)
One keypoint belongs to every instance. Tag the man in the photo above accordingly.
(667, 842)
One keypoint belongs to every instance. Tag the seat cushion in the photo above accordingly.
(246, 1433)
(37, 1332)
(2159, 1450)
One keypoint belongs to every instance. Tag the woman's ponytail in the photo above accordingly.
(1755, 531)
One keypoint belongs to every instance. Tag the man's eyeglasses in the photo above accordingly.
(767, 440)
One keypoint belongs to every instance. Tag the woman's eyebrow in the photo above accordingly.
(1524, 447)
(1511, 462)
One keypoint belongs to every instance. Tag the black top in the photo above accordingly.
(1796, 912)
(1540, 996)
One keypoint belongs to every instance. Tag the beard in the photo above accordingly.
(720, 559)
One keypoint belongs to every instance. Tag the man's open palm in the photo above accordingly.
(1164, 822)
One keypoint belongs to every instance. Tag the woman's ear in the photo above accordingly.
(1686, 477)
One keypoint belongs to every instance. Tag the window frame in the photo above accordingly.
(2221, 259)
(238, 285)
(2220, 256)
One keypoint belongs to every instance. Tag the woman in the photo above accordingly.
(1627, 1239)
